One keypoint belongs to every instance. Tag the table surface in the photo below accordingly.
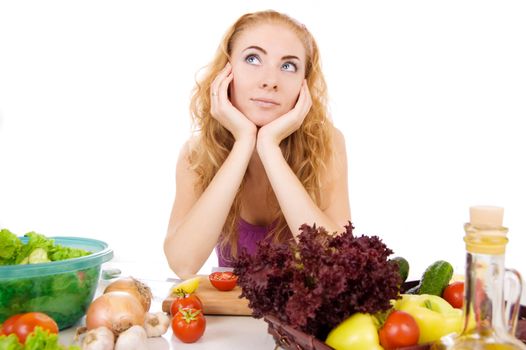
(222, 332)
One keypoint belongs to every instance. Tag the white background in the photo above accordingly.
(431, 97)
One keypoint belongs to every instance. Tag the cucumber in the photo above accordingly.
(436, 278)
(403, 267)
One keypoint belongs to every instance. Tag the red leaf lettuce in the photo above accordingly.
(316, 282)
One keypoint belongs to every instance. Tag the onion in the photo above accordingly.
(117, 311)
(135, 287)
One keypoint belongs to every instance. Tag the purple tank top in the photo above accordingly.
(248, 236)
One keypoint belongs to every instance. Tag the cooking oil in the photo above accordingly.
(484, 302)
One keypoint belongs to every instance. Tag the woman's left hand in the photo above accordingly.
(274, 132)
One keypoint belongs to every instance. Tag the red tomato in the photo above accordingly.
(223, 281)
(23, 324)
(184, 302)
(400, 329)
(454, 294)
(7, 326)
(189, 325)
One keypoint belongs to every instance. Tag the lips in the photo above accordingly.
(265, 102)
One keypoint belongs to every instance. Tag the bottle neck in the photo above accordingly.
(485, 240)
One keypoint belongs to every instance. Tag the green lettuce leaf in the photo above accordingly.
(59, 252)
(38, 249)
(41, 339)
(10, 342)
(35, 241)
(10, 247)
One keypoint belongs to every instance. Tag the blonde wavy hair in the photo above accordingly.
(307, 150)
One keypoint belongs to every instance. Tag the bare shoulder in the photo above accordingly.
(185, 175)
(338, 159)
(334, 181)
(185, 180)
(334, 190)
(338, 140)
(188, 148)
(190, 144)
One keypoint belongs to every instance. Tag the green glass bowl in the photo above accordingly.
(61, 289)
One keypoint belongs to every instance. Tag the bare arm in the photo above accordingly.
(294, 201)
(197, 219)
(296, 204)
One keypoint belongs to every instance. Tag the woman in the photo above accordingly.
(266, 158)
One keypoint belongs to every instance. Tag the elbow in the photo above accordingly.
(184, 274)
(178, 263)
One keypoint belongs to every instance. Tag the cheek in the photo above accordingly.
(235, 92)
(293, 92)
(234, 87)
(241, 78)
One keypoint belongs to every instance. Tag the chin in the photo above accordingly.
(260, 123)
(261, 119)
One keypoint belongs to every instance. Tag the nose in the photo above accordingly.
(269, 80)
(269, 86)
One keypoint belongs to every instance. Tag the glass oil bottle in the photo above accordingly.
(489, 321)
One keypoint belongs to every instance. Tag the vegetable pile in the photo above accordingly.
(119, 319)
(39, 339)
(313, 284)
(31, 331)
(64, 296)
(188, 322)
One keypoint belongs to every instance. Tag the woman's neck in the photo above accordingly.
(255, 169)
(258, 204)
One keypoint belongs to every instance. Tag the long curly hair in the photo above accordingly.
(307, 150)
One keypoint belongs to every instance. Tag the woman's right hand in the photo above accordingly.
(224, 112)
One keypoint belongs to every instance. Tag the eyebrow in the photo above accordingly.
(288, 57)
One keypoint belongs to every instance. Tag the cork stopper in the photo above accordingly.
(485, 233)
(486, 216)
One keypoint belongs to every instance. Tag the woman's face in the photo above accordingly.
(268, 63)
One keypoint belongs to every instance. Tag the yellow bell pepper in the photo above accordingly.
(435, 316)
(358, 332)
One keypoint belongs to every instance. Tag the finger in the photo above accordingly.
(303, 97)
(215, 86)
(304, 103)
(308, 95)
(307, 98)
(223, 87)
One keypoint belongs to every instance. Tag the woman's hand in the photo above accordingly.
(224, 112)
(274, 132)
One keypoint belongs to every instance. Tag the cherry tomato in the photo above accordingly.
(23, 324)
(400, 329)
(185, 301)
(189, 325)
(454, 294)
(223, 281)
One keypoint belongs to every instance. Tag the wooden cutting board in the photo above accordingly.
(216, 302)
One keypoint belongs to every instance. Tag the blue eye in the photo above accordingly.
(252, 59)
(289, 67)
